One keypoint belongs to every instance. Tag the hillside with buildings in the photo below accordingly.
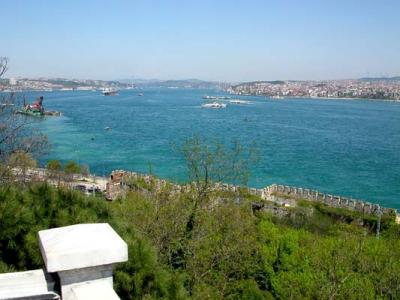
(366, 88)
(62, 84)
(50, 84)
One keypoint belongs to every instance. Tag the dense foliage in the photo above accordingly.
(227, 252)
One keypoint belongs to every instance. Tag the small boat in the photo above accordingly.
(209, 97)
(238, 101)
(53, 113)
(140, 94)
(6, 104)
(214, 105)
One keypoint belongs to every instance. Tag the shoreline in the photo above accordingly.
(100, 180)
(317, 98)
(310, 191)
(281, 195)
(114, 186)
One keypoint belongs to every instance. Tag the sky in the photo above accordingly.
(222, 40)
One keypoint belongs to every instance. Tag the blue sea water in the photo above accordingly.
(349, 148)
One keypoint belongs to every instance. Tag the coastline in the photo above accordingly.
(113, 186)
(116, 142)
(316, 98)
(280, 195)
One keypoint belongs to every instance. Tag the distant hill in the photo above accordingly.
(396, 78)
(138, 81)
(184, 83)
(75, 82)
(260, 82)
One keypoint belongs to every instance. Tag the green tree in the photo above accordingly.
(54, 165)
(22, 163)
(71, 168)
(24, 211)
(55, 168)
(211, 164)
(84, 170)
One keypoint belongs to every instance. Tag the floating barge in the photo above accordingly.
(37, 110)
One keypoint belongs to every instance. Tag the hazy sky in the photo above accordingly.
(213, 40)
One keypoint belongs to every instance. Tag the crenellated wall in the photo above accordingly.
(281, 194)
(275, 191)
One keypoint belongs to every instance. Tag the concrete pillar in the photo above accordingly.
(83, 256)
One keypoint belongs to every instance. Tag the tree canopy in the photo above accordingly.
(230, 253)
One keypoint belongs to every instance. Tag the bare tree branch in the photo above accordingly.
(17, 134)
(3, 65)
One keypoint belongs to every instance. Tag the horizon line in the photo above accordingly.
(202, 80)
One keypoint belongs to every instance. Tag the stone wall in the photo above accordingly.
(285, 193)
(280, 194)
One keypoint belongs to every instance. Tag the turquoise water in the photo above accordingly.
(348, 148)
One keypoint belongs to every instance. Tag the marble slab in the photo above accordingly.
(81, 246)
(24, 284)
(98, 291)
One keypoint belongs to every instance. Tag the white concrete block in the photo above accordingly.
(72, 278)
(25, 284)
(93, 290)
(81, 246)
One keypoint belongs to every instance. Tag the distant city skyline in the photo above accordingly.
(224, 41)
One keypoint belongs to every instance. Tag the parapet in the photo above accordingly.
(36, 284)
(81, 246)
(81, 258)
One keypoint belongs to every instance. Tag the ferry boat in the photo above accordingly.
(110, 92)
(216, 97)
(214, 105)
